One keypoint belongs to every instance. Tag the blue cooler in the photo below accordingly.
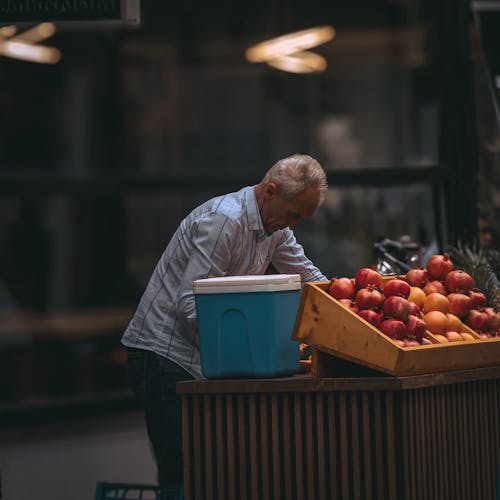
(245, 325)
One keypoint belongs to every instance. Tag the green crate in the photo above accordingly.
(130, 491)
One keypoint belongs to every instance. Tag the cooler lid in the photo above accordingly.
(238, 284)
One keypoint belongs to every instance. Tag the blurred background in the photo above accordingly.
(103, 153)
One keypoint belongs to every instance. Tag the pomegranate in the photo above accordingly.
(494, 322)
(458, 281)
(371, 316)
(477, 320)
(396, 307)
(460, 304)
(417, 277)
(416, 327)
(415, 310)
(342, 288)
(438, 266)
(394, 328)
(435, 286)
(367, 276)
(369, 298)
(349, 304)
(478, 299)
(397, 287)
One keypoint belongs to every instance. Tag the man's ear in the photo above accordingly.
(271, 189)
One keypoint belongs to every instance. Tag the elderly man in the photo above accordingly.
(240, 233)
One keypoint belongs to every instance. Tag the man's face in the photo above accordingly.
(278, 213)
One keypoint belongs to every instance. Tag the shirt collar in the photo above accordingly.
(253, 213)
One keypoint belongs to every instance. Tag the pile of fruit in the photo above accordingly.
(437, 299)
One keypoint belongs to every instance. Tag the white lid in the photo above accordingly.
(236, 284)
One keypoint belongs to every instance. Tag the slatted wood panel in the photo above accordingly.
(432, 443)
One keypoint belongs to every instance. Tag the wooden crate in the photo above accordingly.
(325, 324)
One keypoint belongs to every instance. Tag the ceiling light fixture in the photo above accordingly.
(300, 62)
(24, 45)
(288, 52)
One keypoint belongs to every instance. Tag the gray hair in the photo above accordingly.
(295, 174)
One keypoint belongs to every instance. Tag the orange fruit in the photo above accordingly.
(454, 323)
(454, 337)
(467, 336)
(417, 296)
(436, 322)
(441, 339)
(436, 302)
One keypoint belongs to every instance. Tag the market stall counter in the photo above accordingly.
(372, 436)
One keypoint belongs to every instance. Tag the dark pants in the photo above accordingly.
(152, 379)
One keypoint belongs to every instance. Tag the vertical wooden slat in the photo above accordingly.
(443, 427)
(495, 428)
(299, 455)
(287, 451)
(391, 451)
(252, 415)
(276, 446)
(186, 455)
(423, 487)
(430, 418)
(379, 446)
(486, 475)
(476, 449)
(408, 444)
(310, 448)
(462, 438)
(242, 448)
(219, 443)
(207, 435)
(344, 447)
(367, 458)
(196, 446)
(231, 465)
(265, 451)
(320, 426)
(332, 440)
(355, 459)
(467, 436)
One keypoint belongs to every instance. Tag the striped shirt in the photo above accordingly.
(222, 237)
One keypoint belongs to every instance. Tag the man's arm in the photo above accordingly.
(289, 258)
